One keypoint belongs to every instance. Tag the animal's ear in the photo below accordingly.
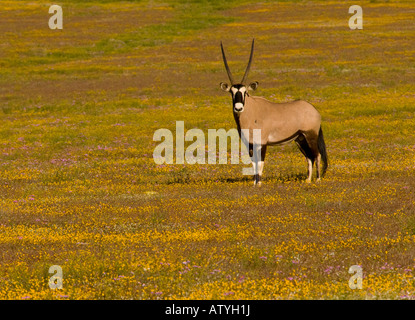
(253, 85)
(224, 86)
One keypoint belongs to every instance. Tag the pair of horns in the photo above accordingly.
(231, 79)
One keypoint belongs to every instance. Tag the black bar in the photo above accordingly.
(208, 309)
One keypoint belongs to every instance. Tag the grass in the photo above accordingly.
(79, 187)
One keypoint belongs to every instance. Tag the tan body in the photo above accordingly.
(279, 122)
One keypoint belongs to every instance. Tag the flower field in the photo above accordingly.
(79, 187)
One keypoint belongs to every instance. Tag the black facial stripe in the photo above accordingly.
(238, 98)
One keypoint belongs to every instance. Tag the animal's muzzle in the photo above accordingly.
(238, 102)
(239, 107)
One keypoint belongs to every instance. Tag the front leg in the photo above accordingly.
(258, 162)
(256, 175)
(261, 161)
(256, 153)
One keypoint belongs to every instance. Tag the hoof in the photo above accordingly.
(308, 181)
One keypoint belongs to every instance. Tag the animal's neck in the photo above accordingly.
(237, 117)
(242, 118)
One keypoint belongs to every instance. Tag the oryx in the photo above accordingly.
(279, 123)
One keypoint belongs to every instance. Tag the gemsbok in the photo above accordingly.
(279, 123)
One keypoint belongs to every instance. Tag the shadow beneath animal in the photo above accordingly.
(300, 177)
(270, 180)
(234, 180)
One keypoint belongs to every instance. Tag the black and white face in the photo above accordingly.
(238, 92)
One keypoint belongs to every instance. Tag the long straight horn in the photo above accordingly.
(226, 65)
(249, 63)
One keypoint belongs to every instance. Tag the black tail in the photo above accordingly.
(322, 150)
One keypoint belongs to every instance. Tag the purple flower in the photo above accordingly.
(328, 269)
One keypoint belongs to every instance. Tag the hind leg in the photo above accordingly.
(311, 138)
(318, 161)
(305, 150)
(309, 151)
(310, 164)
